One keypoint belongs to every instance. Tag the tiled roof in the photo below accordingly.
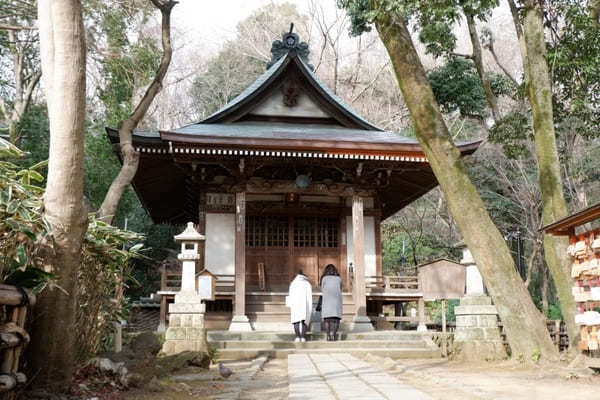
(289, 131)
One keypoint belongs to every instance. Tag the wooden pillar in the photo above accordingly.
(240, 254)
(421, 305)
(444, 337)
(344, 254)
(378, 249)
(361, 321)
(200, 264)
(240, 320)
(358, 247)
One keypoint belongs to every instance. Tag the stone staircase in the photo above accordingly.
(267, 311)
(394, 344)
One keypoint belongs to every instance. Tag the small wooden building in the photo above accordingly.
(283, 178)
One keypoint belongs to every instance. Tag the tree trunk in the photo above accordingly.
(62, 48)
(554, 206)
(478, 60)
(595, 12)
(130, 157)
(524, 324)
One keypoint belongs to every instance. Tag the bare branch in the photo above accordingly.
(359, 95)
(126, 127)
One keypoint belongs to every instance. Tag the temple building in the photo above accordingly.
(284, 178)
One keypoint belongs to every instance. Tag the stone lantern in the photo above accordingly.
(186, 315)
(474, 284)
(190, 240)
(477, 336)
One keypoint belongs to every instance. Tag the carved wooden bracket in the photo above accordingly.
(314, 188)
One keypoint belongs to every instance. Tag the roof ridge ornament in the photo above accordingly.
(290, 42)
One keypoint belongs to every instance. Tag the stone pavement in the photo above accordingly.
(343, 376)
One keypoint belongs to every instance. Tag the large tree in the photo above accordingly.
(524, 324)
(63, 59)
(554, 205)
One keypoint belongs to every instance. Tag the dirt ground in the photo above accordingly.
(269, 382)
(441, 379)
(507, 380)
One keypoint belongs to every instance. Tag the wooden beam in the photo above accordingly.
(358, 246)
(315, 188)
(240, 254)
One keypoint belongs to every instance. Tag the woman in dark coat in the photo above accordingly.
(331, 309)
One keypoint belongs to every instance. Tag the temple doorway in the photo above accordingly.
(278, 247)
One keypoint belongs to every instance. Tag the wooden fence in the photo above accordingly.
(392, 283)
(13, 337)
(556, 328)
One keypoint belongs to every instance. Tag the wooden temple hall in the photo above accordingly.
(284, 178)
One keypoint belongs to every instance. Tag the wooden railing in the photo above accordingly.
(225, 283)
(170, 280)
(392, 283)
(556, 328)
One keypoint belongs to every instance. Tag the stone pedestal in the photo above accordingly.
(477, 336)
(361, 323)
(186, 330)
(240, 323)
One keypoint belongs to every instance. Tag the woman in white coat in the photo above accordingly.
(300, 303)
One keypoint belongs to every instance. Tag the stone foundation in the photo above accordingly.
(477, 336)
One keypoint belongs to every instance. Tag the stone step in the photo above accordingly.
(215, 336)
(260, 297)
(281, 308)
(319, 344)
(394, 352)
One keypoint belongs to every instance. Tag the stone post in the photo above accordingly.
(186, 330)
(477, 336)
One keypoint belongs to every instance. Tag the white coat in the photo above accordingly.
(300, 299)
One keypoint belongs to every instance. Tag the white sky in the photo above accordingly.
(213, 21)
(207, 24)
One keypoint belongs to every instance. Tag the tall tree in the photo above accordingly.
(63, 58)
(126, 127)
(19, 58)
(524, 324)
(554, 206)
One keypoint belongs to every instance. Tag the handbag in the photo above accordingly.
(319, 304)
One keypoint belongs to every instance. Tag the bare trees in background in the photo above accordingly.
(20, 65)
